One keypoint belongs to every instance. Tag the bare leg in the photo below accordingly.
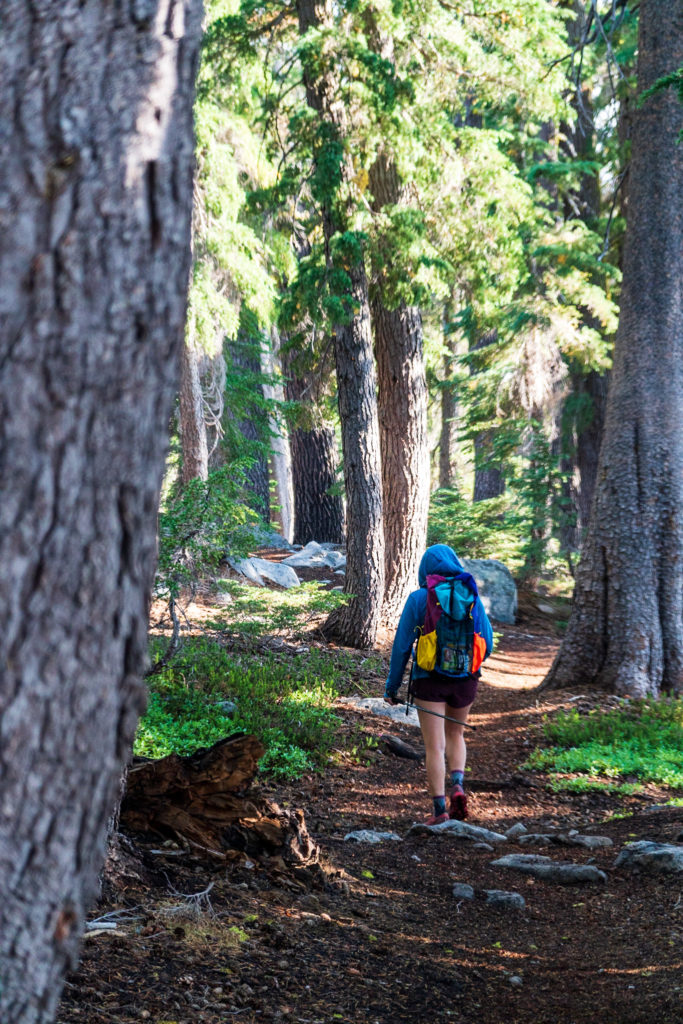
(434, 737)
(456, 750)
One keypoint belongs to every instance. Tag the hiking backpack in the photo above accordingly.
(451, 641)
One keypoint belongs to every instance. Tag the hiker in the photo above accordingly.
(454, 636)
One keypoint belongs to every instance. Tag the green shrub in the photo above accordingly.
(643, 739)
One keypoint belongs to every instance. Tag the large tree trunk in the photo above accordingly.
(401, 397)
(95, 199)
(356, 624)
(318, 510)
(626, 629)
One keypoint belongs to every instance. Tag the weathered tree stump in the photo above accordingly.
(203, 801)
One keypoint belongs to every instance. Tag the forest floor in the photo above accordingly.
(387, 941)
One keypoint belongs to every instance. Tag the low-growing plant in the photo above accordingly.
(284, 701)
(642, 739)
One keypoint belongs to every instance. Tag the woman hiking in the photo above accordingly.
(448, 619)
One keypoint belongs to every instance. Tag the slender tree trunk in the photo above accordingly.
(356, 624)
(252, 421)
(195, 450)
(626, 629)
(280, 449)
(95, 204)
(402, 403)
(449, 409)
(489, 481)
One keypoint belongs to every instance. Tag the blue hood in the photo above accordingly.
(439, 559)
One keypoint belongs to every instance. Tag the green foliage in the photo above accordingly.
(198, 526)
(482, 529)
(643, 739)
(286, 703)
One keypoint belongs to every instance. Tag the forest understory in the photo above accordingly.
(383, 939)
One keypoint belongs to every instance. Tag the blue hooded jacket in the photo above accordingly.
(441, 560)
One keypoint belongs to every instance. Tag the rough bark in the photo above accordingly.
(356, 624)
(194, 446)
(401, 396)
(318, 514)
(402, 406)
(252, 422)
(626, 629)
(95, 202)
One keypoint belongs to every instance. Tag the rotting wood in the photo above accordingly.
(204, 801)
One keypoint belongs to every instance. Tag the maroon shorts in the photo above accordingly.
(457, 693)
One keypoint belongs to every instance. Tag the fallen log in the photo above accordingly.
(204, 801)
(399, 748)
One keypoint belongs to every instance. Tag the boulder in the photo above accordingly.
(655, 858)
(564, 839)
(276, 572)
(315, 556)
(496, 587)
(244, 567)
(549, 870)
(376, 705)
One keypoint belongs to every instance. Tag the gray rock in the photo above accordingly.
(463, 891)
(496, 587)
(316, 555)
(505, 900)
(564, 839)
(376, 705)
(276, 572)
(265, 538)
(518, 829)
(515, 981)
(244, 567)
(368, 835)
(458, 830)
(483, 846)
(228, 707)
(655, 858)
(549, 870)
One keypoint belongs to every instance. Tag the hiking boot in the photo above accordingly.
(458, 804)
(437, 819)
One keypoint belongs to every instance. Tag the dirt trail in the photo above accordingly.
(388, 942)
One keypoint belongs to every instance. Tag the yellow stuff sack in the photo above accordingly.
(426, 651)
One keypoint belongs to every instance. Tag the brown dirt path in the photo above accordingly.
(387, 943)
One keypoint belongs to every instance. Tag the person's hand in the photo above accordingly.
(391, 700)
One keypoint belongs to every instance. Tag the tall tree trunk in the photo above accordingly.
(449, 411)
(318, 513)
(280, 448)
(402, 404)
(401, 397)
(356, 624)
(252, 420)
(489, 481)
(194, 447)
(95, 199)
(626, 629)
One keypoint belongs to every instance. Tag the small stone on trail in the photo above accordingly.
(463, 891)
(483, 846)
(368, 835)
(518, 829)
(516, 981)
(505, 900)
